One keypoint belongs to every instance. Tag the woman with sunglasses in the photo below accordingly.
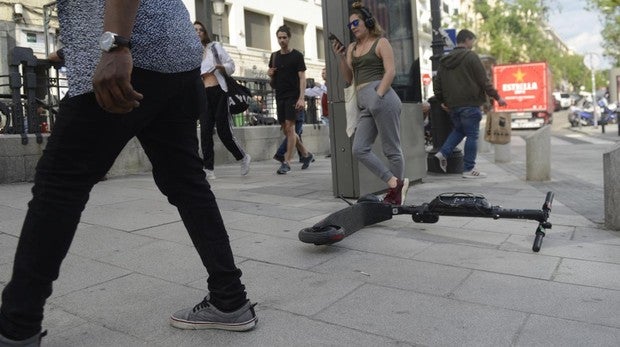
(369, 63)
(215, 63)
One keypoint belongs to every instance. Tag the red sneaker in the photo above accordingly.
(398, 194)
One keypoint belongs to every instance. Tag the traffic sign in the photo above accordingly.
(426, 79)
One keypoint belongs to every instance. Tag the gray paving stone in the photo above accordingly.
(162, 259)
(297, 291)
(77, 273)
(267, 225)
(378, 239)
(95, 242)
(423, 319)
(560, 300)
(585, 250)
(11, 220)
(549, 331)
(283, 251)
(395, 272)
(589, 273)
(92, 335)
(131, 215)
(443, 234)
(262, 209)
(135, 305)
(282, 329)
(490, 260)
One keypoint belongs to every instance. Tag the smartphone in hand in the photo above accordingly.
(333, 37)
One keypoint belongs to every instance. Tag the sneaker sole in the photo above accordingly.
(404, 190)
(474, 177)
(189, 325)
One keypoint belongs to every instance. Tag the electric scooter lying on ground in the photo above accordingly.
(370, 210)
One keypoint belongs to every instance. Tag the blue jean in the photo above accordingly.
(465, 123)
(85, 142)
(299, 129)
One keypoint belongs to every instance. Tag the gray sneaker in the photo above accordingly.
(284, 168)
(245, 164)
(34, 341)
(206, 316)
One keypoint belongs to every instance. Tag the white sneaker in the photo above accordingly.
(474, 174)
(210, 174)
(443, 162)
(245, 164)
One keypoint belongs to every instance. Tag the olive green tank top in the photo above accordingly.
(368, 67)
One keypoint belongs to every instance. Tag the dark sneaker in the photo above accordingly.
(34, 341)
(398, 194)
(278, 157)
(307, 160)
(284, 168)
(206, 316)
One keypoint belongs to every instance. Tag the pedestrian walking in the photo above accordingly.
(134, 71)
(369, 63)
(215, 63)
(287, 71)
(461, 86)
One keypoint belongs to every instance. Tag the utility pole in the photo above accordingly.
(441, 125)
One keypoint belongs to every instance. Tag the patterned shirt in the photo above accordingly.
(163, 39)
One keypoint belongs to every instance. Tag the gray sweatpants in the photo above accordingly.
(379, 116)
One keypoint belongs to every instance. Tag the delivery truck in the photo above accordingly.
(528, 90)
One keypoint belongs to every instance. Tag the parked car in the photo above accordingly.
(564, 99)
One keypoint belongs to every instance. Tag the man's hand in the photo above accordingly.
(112, 82)
(300, 104)
(501, 102)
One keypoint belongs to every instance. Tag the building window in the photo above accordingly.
(31, 37)
(320, 44)
(297, 36)
(257, 33)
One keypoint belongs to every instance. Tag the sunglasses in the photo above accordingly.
(354, 23)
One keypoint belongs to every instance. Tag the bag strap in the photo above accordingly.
(216, 54)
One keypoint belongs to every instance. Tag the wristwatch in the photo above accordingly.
(109, 41)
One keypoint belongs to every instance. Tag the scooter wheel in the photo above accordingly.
(322, 236)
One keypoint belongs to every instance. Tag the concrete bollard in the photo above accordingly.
(538, 155)
(502, 153)
(483, 145)
(611, 186)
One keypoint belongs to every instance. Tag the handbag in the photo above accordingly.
(239, 96)
(351, 109)
(497, 129)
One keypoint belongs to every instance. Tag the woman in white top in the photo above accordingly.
(215, 63)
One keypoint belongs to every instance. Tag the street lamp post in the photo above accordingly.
(591, 61)
(219, 6)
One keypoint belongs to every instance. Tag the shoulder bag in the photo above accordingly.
(239, 96)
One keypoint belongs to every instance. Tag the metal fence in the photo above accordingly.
(31, 92)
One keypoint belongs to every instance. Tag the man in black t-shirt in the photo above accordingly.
(287, 71)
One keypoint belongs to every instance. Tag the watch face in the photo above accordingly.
(107, 41)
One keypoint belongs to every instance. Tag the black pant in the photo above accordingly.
(85, 142)
(216, 114)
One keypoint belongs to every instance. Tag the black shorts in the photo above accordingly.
(286, 109)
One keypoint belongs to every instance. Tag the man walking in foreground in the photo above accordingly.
(134, 71)
(460, 86)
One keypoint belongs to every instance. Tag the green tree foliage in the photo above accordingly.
(610, 13)
(515, 32)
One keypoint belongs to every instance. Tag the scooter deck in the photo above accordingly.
(345, 222)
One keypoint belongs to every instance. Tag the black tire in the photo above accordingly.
(537, 242)
(322, 236)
